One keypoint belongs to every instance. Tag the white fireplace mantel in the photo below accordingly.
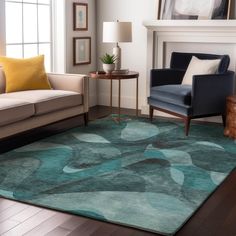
(191, 25)
(160, 32)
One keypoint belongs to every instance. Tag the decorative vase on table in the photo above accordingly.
(108, 62)
(108, 68)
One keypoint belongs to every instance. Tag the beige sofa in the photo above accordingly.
(26, 110)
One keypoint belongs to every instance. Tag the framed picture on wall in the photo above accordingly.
(82, 50)
(80, 16)
(192, 9)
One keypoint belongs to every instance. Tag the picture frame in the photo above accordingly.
(159, 4)
(80, 16)
(81, 50)
(194, 10)
(223, 12)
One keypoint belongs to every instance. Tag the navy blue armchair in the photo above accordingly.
(205, 97)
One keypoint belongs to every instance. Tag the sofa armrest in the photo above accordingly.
(71, 82)
(210, 91)
(166, 76)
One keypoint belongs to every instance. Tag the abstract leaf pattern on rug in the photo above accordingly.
(141, 174)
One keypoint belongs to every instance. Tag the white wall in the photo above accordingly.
(133, 54)
(70, 33)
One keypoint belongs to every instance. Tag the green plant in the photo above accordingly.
(108, 59)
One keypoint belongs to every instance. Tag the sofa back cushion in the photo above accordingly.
(181, 60)
(2, 81)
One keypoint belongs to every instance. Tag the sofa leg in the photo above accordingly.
(224, 119)
(86, 119)
(187, 121)
(151, 113)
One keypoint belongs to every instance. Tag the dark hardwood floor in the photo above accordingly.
(216, 217)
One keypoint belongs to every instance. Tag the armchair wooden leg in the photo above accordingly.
(224, 119)
(86, 119)
(187, 121)
(151, 113)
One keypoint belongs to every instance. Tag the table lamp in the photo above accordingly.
(117, 32)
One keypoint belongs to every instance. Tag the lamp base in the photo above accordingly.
(117, 53)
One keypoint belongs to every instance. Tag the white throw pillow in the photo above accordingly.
(200, 67)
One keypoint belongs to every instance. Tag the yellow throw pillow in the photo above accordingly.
(24, 74)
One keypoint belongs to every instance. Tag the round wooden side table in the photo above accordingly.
(100, 75)
(230, 129)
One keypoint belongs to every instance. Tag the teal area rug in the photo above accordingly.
(143, 175)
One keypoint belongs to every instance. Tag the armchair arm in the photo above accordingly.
(210, 91)
(166, 76)
(71, 82)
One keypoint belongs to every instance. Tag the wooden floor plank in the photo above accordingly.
(48, 225)
(229, 226)
(122, 231)
(7, 225)
(12, 211)
(31, 223)
(5, 203)
(105, 230)
(73, 223)
(26, 213)
(86, 229)
(58, 232)
(142, 233)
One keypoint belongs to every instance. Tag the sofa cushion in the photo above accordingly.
(13, 110)
(174, 94)
(46, 101)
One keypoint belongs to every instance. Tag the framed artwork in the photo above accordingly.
(192, 9)
(159, 4)
(222, 9)
(80, 16)
(82, 50)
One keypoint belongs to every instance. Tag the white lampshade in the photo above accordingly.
(115, 32)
